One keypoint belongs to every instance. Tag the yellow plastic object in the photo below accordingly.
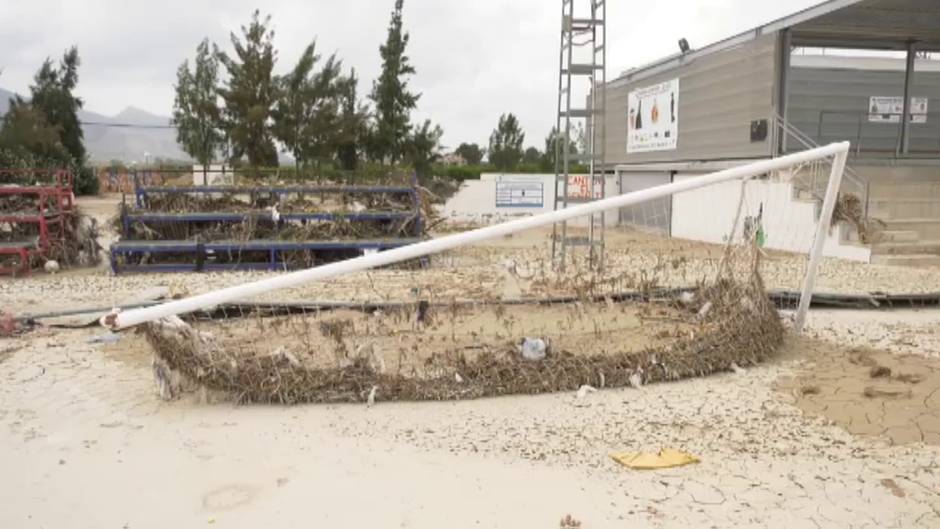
(666, 458)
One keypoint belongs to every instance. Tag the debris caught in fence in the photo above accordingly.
(257, 226)
(41, 226)
(850, 209)
(741, 328)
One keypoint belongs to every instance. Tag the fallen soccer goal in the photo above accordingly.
(662, 315)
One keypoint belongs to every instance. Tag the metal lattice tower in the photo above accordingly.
(582, 66)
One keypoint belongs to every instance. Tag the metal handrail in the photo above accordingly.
(809, 143)
(862, 183)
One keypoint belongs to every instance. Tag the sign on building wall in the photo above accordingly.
(653, 118)
(579, 186)
(890, 109)
(520, 194)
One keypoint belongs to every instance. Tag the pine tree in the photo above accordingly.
(53, 109)
(307, 113)
(390, 94)
(552, 142)
(424, 147)
(250, 93)
(196, 112)
(27, 136)
(506, 143)
(352, 130)
(52, 96)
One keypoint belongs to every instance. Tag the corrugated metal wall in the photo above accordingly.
(720, 94)
(925, 137)
(832, 104)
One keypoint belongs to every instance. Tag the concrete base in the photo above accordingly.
(907, 248)
(918, 260)
(907, 200)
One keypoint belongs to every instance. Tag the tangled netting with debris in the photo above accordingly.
(850, 208)
(230, 201)
(79, 245)
(73, 242)
(727, 323)
(263, 227)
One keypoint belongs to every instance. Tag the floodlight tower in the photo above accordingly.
(582, 66)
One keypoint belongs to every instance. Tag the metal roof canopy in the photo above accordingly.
(870, 24)
(882, 24)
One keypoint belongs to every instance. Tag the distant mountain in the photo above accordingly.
(124, 136)
(131, 135)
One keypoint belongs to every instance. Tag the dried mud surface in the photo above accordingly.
(882, 381)
(79, 422)
(872, 393)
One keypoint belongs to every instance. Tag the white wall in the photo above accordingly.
(708, 214)
(704, 214)
(215, 175)
(475, 201)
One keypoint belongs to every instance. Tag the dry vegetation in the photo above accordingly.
(445, 351)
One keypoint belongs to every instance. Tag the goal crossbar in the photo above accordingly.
(839, 151)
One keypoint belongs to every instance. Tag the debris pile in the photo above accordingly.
(729, 324)
(257, 226)
(39, 224)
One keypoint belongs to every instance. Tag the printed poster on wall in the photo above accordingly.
(519, 194)
(653, 118)
(890, 109)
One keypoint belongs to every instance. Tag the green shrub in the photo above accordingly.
(459, 173)
(86, 181)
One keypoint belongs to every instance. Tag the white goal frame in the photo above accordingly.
(839, 152)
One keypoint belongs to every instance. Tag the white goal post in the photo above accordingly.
(839, 152)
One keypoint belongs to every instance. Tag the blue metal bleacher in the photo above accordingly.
(214, 256)
(191, 253)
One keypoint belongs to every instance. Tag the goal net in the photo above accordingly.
(479, 312)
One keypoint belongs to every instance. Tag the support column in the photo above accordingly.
(904, 139)
(783, 87)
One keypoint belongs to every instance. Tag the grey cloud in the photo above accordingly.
(474, 59)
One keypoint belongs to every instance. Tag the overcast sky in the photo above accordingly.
(475, 59)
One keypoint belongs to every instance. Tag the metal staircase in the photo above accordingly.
(582, 73)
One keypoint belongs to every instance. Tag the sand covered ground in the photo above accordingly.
(795, 442)
(85, 443)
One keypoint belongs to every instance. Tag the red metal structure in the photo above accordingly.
(32, 197)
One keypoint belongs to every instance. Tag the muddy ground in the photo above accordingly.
(84, 442)
(884, 380)
(871, 392)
